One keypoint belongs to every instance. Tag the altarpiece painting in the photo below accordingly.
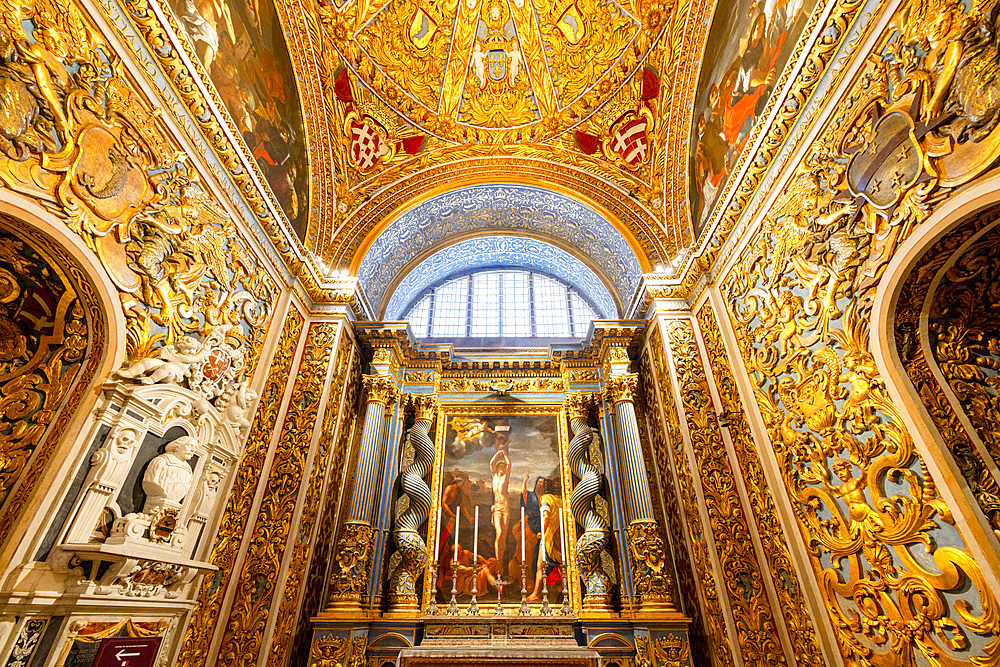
(502, 465)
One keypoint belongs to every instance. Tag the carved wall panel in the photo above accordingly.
(83, 142)
(688, 591)
(52, 339)
(756, 631)
(917, 122)
(336, 491)
(204, 617)
(325, 470)
(762, 509)
(718, 645)
(244, 630)
(963, 343)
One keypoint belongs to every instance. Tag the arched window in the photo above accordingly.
(501, 303)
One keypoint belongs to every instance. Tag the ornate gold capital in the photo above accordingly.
(381, 389)
(618, 388)
(650, 569)
(424, 406)
(578, 404)
(615, 359)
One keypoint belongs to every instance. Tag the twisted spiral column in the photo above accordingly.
(650, 569)
(412, 549)
(594, 539)
(352, 558)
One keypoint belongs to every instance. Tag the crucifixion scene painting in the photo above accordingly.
(508, 469)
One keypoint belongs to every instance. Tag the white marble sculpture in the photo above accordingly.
(168, 476)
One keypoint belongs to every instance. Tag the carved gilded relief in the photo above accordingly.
(707, 599)
(244, 631)
(962, 336)
(337, 488)
(321, 473)
(81, 140)
(801, 295)
(756, 631)
(52, 335)
(204, 616)
(775, 546)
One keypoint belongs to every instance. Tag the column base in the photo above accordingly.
(404, 606)
(596, 605)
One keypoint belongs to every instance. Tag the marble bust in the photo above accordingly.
(168, 476)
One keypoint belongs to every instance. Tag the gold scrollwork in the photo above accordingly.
(651, 572)
(204, 616)
(802, 295)
(352, 566)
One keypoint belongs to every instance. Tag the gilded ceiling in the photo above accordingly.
(398, 103)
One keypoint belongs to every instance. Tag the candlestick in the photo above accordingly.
(475, 538)
(566, 609)
(523, 538)
(453, 604)
(474, 603)
(458, 516)
(432, 608)
(437, 535)
(546, 610)
(524, 609)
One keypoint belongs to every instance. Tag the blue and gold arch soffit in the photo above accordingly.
(503, 252)
(487, 210)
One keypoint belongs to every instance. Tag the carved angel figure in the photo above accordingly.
(168, 476)
(172, 364)
(237, 400)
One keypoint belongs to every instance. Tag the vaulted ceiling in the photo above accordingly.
(385, 129)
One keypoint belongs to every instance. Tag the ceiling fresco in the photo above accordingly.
(241, 46)
(748, 46)
(499, 252)
(492, 210)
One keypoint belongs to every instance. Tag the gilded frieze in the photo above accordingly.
(42, 355)
(204, 616)
(775, 547)
(801, 294)
(701, 589)
(756, 631)
(959, 335)
(244, 630)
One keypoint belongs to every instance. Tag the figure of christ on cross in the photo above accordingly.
(500, 467)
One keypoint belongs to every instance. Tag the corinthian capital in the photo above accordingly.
(578, 405)
(618, 388)
(381, 389)
(424, 406)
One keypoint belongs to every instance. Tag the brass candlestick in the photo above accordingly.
(524, 609)
(473, 604)
(566, 609)
(499, 608)
(432, 608)
(453, 605)
(546, 610)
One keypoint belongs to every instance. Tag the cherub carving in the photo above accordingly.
(171, 365)
(236, 401)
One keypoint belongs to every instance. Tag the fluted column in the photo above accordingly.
(650, 570)
(352, 560)
(592, 543)
(413, 551)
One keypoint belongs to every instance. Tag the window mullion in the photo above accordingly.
(569, 312)
(531, 304)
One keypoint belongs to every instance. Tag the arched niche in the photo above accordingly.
(946, 334)
(54, 345)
